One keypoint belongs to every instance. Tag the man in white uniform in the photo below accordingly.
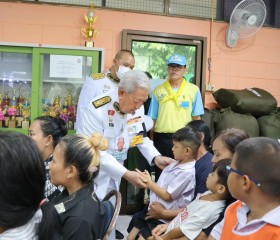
(116, 114)
(99, 83)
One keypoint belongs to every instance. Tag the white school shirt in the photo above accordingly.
(198, 215)
(179, 182)
(25, 232)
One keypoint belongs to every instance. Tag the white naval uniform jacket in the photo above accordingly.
(92, 88)
(112, 126)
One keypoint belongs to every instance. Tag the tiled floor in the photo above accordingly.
(122, 223)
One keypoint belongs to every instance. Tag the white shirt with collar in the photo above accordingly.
(106, 120)
(179, 182)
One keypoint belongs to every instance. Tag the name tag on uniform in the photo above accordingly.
(184, 104)
(134, 125)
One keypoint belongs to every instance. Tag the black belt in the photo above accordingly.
(165, 135)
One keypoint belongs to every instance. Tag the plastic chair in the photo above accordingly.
(111, 211)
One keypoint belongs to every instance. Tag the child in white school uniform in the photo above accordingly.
(204, 210)
(176, 184)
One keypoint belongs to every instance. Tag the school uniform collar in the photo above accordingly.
(272, 217)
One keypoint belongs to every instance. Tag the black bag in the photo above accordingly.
(270, 125)
(210, 117)
(229, 119)
(255, 101)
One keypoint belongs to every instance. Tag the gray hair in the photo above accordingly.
(134, 79)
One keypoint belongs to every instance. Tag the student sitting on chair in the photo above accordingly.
(75, 164)
(203, 211)
(175, 187)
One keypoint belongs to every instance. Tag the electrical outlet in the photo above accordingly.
(210, 87)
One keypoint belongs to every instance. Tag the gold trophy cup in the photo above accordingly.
(90, 32)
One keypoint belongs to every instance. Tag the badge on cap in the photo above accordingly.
(177, 59)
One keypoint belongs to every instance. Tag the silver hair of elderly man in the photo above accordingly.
(133, 80)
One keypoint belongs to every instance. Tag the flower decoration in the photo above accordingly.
(12, 111)
(65, 117)
(2, 115)
(71, 110)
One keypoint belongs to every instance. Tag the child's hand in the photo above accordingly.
(145, 175)
(157, 237)
(159, 229)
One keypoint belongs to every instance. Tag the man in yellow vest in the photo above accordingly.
(174, 103)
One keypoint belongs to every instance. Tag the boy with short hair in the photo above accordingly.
(204, 210)
(176, 184)
(254, 180)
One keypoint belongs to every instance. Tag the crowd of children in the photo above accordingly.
(243, 197)
(242, 200)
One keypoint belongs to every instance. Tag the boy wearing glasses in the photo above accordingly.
(174, 103)
(254, 180)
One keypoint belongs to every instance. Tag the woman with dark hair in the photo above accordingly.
(46, 131)
(23, 212)
(225, 142)
(75, 164)
(203, 164)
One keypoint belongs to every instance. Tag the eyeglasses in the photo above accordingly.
(230, 169)
(175, 67)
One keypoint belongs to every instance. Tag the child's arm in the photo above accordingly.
(161, 192)
(160, 229)
(173, 234)
(158, 211)
(133, 233)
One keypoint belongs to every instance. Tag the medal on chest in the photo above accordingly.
(111, 114)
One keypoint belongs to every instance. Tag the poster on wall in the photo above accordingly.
(64, 66)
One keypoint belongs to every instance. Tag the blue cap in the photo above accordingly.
(177, 59)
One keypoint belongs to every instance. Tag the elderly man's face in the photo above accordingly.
(130, 102)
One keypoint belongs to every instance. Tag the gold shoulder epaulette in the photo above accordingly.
(101, 101)
(96, 76)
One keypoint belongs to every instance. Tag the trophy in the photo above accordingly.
(26, 113)
(90, 32)
(20, 101)
(46, 104)
(12, 111)
(2, 117)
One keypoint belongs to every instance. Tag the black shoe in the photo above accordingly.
(119, 235)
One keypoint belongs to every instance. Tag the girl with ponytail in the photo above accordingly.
(75, 164)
